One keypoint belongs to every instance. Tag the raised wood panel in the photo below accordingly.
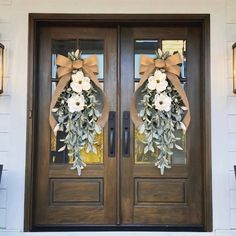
(76, 191)
(160, 191)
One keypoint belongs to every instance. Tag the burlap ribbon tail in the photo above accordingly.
(147, 67)
(90, 67)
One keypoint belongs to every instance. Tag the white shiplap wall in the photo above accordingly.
(231, 103)
(14, 35)
(4, 117)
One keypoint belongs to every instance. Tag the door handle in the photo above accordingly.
(126, 134)
(111, 140)
(111, 134)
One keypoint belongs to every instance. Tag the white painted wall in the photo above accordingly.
(14, 35)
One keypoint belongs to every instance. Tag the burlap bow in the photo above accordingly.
(90, 67)
(147, 66)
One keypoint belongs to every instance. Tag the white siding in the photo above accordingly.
(14, 35)
(5, 107)
(231, 157)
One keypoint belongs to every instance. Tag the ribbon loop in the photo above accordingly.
(172, 69)
(64, 71)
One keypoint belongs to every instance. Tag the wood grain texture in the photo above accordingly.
(192, 212)
(162, 192)
(122, 192)
(76, 191)
(72, 199)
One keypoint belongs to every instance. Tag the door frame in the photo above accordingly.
(36, 20)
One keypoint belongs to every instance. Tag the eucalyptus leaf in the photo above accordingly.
(145, 149)
(178, 147)
(62, 148)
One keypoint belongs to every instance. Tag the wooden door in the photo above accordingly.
(61, 197)
(123, 188)
(147, 197)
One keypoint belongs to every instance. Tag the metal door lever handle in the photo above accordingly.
(111, 134)
(126, 134)
(111, 138)
(126, 145)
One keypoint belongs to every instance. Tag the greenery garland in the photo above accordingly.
(77, 115)
(162, 112)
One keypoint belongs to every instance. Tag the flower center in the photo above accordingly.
(77, 103)
(80, 82)
(158, 81)
(161, 102)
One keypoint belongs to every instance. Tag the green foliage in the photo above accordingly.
(80, 126)
(159, 126)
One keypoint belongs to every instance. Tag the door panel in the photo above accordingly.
(61, 197)
(176, 197)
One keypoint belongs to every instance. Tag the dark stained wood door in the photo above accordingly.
(61, 197)
(125, 189)
(175, 198)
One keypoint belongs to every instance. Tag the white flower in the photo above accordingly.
(157, 81)
(78, 76)
(80, 82)
(76, 103)
(162, 102)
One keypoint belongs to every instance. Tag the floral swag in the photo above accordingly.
(74, 107)
(163, 108)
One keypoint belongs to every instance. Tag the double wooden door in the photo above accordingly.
(120, 185)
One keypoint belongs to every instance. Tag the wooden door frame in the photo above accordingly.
(37, 20)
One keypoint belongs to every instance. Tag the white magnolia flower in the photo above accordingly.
(162, 102)
(76, 103)
(157, 81)
(80, 82)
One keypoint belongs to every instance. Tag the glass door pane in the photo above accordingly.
(87, 48)
(148, 47)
